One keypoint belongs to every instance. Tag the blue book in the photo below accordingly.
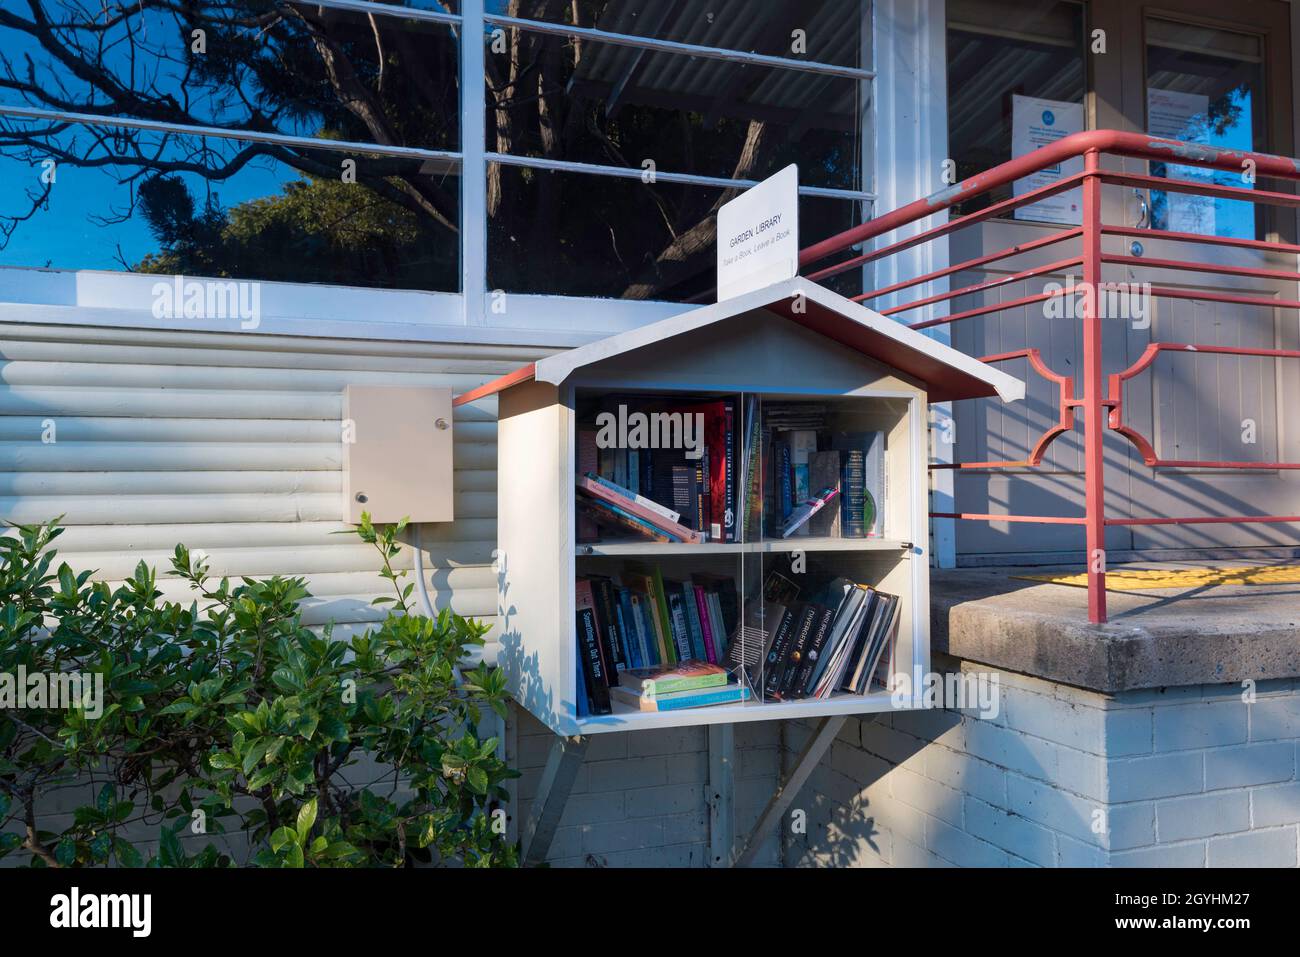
(628, 628)
(693, 621)
(702, 697)
(580, 699)
(648, 630)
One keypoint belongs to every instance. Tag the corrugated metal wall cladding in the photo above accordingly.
(231, 443)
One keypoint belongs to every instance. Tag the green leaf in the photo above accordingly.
(282, 837)
(306, 818)
(126, 853)
(169, 849)
(477, 780)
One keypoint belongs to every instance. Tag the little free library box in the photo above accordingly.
(738, 492)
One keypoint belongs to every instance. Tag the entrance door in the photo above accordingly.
(1173, 70)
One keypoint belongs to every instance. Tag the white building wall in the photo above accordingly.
(231, 443)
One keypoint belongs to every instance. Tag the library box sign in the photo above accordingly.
(758, 235)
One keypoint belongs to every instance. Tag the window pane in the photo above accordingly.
(298, 68)
(163, 203)
(1204, 86)
(999, 49)
(577, 234)
(832, 29)
(620, 106)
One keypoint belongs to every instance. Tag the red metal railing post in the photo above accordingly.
(1093, 411)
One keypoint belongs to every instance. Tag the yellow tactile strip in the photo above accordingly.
(1138, 579)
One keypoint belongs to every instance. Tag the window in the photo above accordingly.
(1204, 86)
(120, 162)
(265, 145)
(997, 50)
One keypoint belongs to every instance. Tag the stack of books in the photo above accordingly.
(843, 641)
(698, 460)
(689, 684)
(807, 461)
(642, 619)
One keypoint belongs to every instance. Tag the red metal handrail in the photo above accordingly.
(1100, 409)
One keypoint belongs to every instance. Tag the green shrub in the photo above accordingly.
(228, 715)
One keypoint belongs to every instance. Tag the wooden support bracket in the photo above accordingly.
(552, 794)
(821, 739)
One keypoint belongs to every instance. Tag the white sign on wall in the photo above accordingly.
(758, 235)
(1035, 123)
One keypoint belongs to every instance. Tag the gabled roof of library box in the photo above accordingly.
(947, 373)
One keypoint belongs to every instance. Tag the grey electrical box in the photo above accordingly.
(397, 454)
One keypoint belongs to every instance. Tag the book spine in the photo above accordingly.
(680, 627)
(606, 513)
(588, 462)
(729, 476)
(593, 663)
(601, 492)
(609, 644)
(774, 667)
(816, 646)
(657, 687)
(631, 496)
(667, 645)
(693, 621)
(725, 695)
(631, 629)
(706, 625)
(802, 635)
(853, 492)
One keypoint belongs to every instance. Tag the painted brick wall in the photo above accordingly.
(640, 799)
(1061, 777)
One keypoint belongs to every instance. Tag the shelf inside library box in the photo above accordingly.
(648, 549)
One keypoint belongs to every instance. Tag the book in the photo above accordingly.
(799, 517)
(678, 622)
(817, 642)
(803, 443)
(824, 472)
(706, 623)
(694, 627)
(633, 647)
(611, 638)
(777, 655)
(607, 514)
(595, 673)
(601, 492)
(588, 461)
(629, 494)
(727, 694)
(803, 629)
(853, 494)
(685, 676)
(654, 606)
(874, 475)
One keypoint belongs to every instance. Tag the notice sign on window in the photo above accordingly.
(758, 235)
(1035, 123)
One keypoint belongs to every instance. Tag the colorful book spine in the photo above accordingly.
(706, 624)
(633, 496)
(693, 622)
(598, 491)
(606, 513)
(853, 492)
(731, 694)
